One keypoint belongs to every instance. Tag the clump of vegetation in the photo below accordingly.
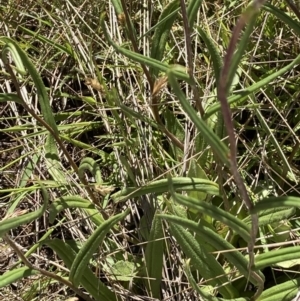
(149, 150)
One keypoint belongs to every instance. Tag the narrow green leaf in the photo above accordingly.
(15, 275)
(272, 215)
(286, 165)
(14, 222)
(280, 14)
(276, 256)
(22, 61)
(44, 40)
(86, 252)
(225, 217)
(4, 97)
(275, 202)
(204, 295)
(66, 202)
(74, 201)
(192, 11)
(243, 44)
(281, 292)
(161, 186)
(154, 258)
(196, 170)
(90, 165)
(216, 58)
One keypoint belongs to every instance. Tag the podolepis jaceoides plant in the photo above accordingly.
(191, 226)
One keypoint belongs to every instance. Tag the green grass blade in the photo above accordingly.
(90, 165)
(4, 97)
(66, 202)
(130, 29)
(204, 295)
(216, 241)
(22, 61)
(43, 39)
(282, 292)
(243, 44)
(213, 51)
(286, 165)
(272, 215)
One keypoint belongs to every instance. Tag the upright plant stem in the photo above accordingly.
(226, 111)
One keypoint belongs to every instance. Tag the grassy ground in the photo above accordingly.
(96, 128)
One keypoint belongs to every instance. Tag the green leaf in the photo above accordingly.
(161, 186)
(14, 222)
(280, 14)
(281, 292)
(225, 217)
(276, 202)
(65, 202)
(15, 275)
(214, 53)
(154, 258)
(86, 252)
(192, 11)
(90, 165)
(217, 242)
(22, 61)
(272, 215)
(123, 270)
(204, 295)
(276, 256)
(243, 44)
